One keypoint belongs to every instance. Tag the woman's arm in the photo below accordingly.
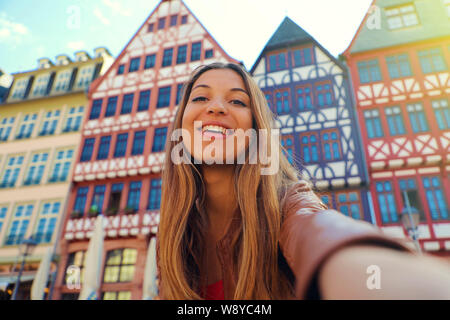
(347, 274)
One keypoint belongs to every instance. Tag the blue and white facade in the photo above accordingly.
(309, 92)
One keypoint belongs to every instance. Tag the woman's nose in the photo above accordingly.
(216, 106)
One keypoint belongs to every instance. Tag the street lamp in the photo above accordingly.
(29, 244)
(411, 218)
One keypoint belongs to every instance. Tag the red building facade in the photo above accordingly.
(399, 63)
(118, 169)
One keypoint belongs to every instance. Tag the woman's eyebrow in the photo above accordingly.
(208, 87)
(239, 89)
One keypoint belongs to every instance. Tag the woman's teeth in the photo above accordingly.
(216, 129)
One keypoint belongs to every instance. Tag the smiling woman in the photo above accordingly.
(229, 232)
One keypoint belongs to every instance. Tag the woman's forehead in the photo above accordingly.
(220, 77)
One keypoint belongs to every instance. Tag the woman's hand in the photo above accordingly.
(346, 275)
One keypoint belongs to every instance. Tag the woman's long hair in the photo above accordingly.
(260, 197)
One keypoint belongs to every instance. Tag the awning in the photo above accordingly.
(7, 279)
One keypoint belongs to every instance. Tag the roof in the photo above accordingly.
(287, 33)
(374, 32)
(290, 34)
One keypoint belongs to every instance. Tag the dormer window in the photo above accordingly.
(402, 17)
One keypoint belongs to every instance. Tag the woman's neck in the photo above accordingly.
(221, 201)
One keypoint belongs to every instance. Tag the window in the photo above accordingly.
(417, 117)
(97, 199)
(442, 112)
(5, 128)
(150, 61)
(184, 19)
(80, 200)
(121, 69)
(324, 94)
(41, 84)
(127, 103)
(402, 17)
(349, 205)
(302, 57)
(386, 200)
(116, 295)
(134, 64)
(304, 98)
(282, 101)
(19, 224)
(119, 266)
(19, 88)
(409, 187)
(74, 119)
(154, 195)
(435, 198)
(181, 54)
(161, 23)
(331, 145)
(395, 121)
(269, 98)
(167, 57)
(61, 165)
(50, 123)
(373, 123)
(196, 51)
(111, 107)
(432, 60)
(11, 171)
(150, 27)
(114, 198)
(159, 140)
(121, 145)
(36, 169)
(163, 97)
(399, 66)
(287, 141)
(138, 143)
(3, 211)
(47, 221)
(134, 195)
(309, 147)
(27, 126)
(96, 109)
(277, 62)
(173, 20)
(209, 53)
(62, 81)
(144, 100)
(88, 148)
(85, 76)
(103, 149)
(77, 259)
(179, 93)
(369, 71)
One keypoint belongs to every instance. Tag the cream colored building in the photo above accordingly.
(40, 123)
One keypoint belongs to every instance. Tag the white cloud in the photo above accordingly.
(117, 8)
(76, 45)
(11, 31)
(101, 17)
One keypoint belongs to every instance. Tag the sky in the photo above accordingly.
(31, 29)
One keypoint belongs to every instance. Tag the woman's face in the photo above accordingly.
(221, 103)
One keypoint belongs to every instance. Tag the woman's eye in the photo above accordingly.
(238, 102)
(199, 99)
